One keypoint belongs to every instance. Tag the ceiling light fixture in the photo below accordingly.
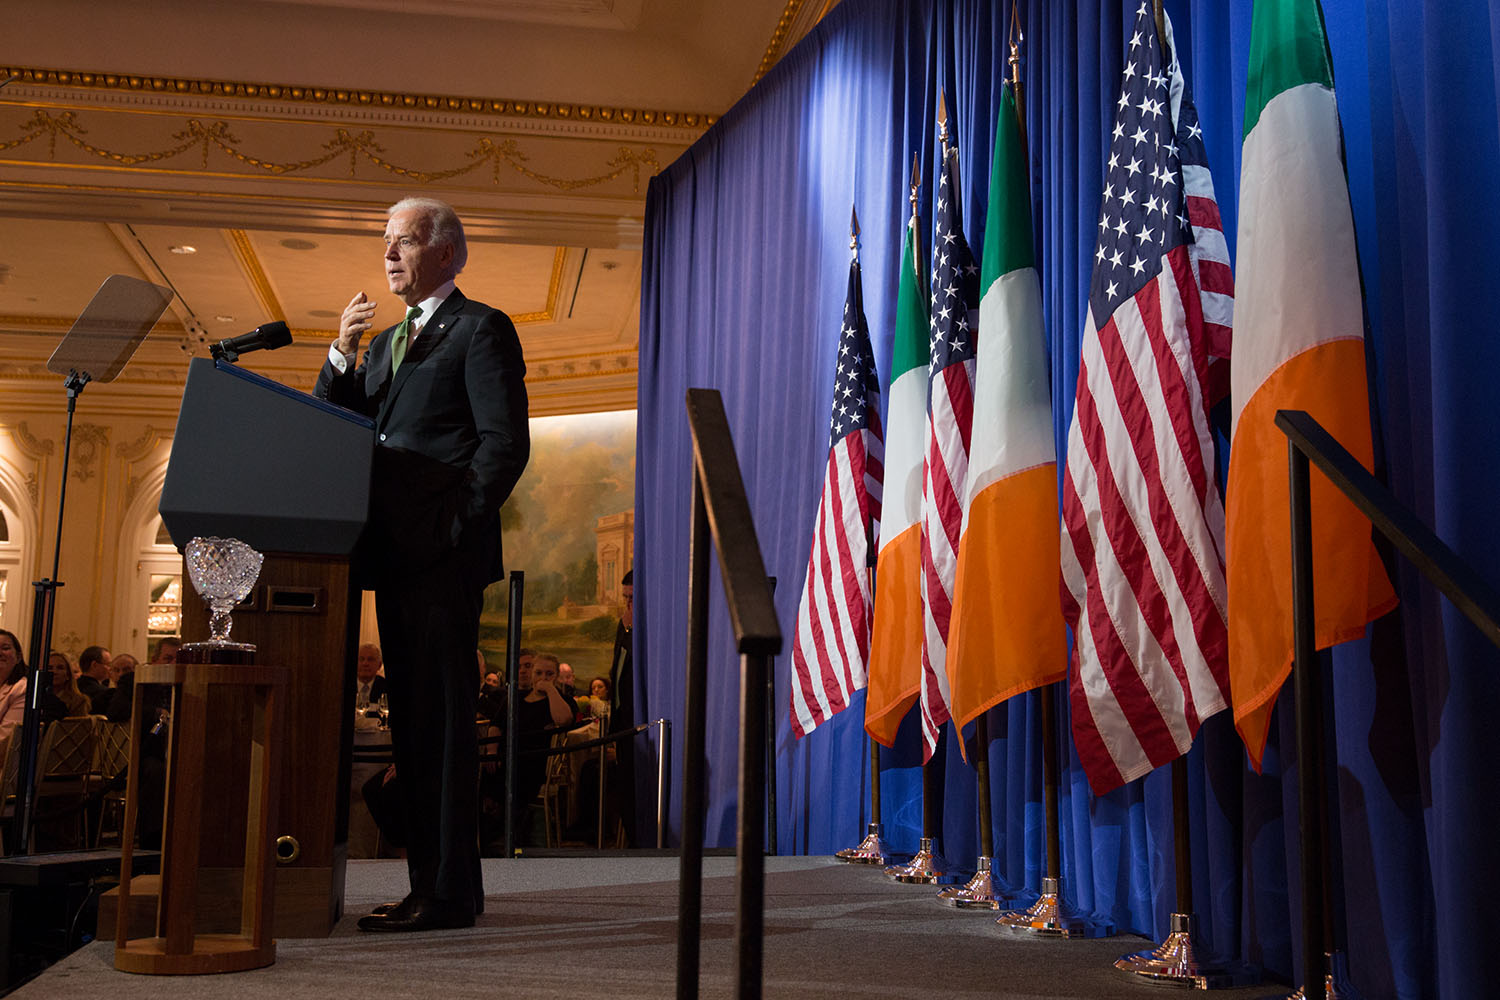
(299, 244)
(183, 250)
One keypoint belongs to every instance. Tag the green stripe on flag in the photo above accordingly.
(1288, 48)
(1007, 231)
(910, 349)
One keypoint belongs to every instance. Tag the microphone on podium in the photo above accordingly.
(267, 336)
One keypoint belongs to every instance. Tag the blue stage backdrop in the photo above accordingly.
(746, 251)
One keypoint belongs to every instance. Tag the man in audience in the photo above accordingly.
(93, 678)
(492, 691)
(565, 680)
(622, 711)
(370, 685)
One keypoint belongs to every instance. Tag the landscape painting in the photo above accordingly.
(570, 528)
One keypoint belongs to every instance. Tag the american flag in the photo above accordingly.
(950, 417)
(1143, 523)
(832, 642)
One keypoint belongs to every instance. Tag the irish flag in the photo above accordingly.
(1298, 344)
(1007, 632)
(896, 637)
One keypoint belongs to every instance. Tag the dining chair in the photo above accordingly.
(65, 766)
(111, 759)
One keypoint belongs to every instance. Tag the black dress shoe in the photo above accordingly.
(385, 909)
(419, 915)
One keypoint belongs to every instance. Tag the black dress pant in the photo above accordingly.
(429, 629)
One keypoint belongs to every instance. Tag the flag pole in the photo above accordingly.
(869, 851)
(928, 865)
(1049, 916)
(981, 892)
(1177, 961)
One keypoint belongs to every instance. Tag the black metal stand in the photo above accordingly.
(721, 517)
(512, 693)
(42, 615)
(1307, 440)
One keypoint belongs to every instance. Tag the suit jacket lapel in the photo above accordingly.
(430, 336)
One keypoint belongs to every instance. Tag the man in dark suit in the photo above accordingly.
(369, 686)
(445, 388)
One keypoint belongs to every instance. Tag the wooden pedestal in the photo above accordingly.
(177, 947)
(302, 614)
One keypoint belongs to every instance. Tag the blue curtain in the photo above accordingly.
(745, 255)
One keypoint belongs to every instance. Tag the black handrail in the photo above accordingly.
(721, 516)
(1471, 594)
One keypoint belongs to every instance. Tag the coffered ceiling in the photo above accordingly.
(243, 154)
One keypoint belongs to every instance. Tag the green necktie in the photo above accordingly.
(398, 346)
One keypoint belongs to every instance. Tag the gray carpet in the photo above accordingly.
(607, 927)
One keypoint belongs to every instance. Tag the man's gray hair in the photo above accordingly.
(443, 227)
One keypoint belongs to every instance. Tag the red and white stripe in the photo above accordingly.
(1143, 565)
(945, 468)
(832, 642)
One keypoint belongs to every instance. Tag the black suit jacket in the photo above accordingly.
(451, 440)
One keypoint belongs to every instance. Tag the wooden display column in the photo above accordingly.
(303, 614)
(178, 946)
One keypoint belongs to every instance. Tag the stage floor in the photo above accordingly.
(606, 926)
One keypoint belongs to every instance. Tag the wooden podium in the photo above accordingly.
(289, 475)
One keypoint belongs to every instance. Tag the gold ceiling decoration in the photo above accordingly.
(778, 39)
(356, 145)
(505, 107)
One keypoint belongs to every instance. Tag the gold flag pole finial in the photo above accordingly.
(943, 120)
(854, 231)
(1016, 38)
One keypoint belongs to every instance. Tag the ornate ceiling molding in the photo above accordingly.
(298, 100)
(255, 274)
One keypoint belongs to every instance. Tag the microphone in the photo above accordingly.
(267, 336)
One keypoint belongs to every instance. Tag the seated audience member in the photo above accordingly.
(544, 709)
(166, 650)
(123, 668)
(93, 678)
(492, 688)
(383, 798)
(12, 683)
(565, 680)
(152, 734)
(599, 697)
(369, 685)
(541, 712)
(64, 699)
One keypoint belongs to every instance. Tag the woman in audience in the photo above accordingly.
(64, 700)
(599, 697)
(12, 683)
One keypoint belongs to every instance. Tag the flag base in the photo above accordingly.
(869, 851)
(927, 867)
(1336, 983)
(1048, 917)
(1175, 962)
(980, 893)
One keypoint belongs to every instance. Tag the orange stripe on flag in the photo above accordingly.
(896, 637)
(1350, 588)
(1008, 634)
